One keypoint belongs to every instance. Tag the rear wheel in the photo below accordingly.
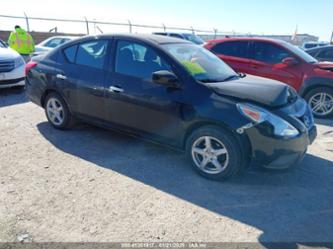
(214, 153)
(321, 101)
(57, 112)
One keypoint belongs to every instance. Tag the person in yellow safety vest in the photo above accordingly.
(22, 42)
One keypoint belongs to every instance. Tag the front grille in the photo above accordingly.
(6, 65)
(9, 82)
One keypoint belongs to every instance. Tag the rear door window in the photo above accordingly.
(92, 54)
(269, 53)
(232, 48)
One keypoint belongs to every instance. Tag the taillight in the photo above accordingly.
(29, 66)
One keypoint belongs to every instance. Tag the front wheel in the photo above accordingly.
(320, 100)
(214, 153)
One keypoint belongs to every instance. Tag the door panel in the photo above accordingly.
(134, 101)
(82, 77)
(267, 62)
(143, 106)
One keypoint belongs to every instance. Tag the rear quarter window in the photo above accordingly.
(70, 53)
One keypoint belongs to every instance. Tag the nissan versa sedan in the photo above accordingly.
(176, 93)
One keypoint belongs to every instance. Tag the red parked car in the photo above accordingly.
(284, 62)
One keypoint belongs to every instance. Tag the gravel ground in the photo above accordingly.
(88, 184)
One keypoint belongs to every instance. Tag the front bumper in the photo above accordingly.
(279, 153)
(13, 78)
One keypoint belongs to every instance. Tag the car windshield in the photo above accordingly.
(299, 52)
(203, 65)
(193, 38)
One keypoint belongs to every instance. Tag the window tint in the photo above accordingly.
(70, 53)
(54, 42)
(269, 53)
(92, 54)
(138, 60)
(312, 52)
(310, 45)
(235, 49)
(203, 65)
(326, 54)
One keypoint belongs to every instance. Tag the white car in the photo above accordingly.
(12, 67)
(51, 43)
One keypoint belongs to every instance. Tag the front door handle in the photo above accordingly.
(61, 76)
(116, 89)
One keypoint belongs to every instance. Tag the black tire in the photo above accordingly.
(235, 157)
(68, 119)
(317, 91)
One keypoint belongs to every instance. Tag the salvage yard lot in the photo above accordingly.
(89, 184)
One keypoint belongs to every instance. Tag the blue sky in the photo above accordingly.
(254, 16)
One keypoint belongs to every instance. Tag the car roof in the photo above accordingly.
(264, 39)
(150, 38)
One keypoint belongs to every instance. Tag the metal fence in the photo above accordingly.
(214, 32)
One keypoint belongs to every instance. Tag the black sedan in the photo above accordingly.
(175, 93)
(322, 53)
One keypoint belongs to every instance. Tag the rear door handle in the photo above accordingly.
(116, 89)
(61, 76)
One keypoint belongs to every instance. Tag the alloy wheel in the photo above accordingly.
(321, 104)
(210, 155)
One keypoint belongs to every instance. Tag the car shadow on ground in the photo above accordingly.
(17, 96)
(296, 205)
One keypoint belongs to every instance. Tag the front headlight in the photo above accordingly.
(259, 115)
(19, 61)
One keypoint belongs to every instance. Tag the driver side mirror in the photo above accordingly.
(289, 61)
(166, 78)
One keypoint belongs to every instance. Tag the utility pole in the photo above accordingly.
(27, 22)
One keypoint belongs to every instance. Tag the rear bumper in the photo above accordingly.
(279, 153)
(34, 94)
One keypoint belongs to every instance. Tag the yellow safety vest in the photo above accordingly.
(21, 41)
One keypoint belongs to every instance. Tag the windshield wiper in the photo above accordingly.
(242, 75)
(231, 77)
(209, 80)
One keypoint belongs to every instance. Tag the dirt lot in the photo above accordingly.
(89, 184)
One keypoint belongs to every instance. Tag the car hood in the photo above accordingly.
(8, 54)
(251, 88)
(325, 65)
